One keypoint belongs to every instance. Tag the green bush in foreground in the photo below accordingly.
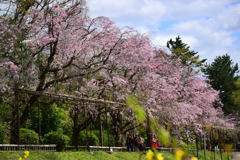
(57, 138)
(88, 139)
(28, 136)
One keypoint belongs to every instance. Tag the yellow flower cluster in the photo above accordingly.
(25, 155)
(150, 156)
(179, 155)
(159, 156)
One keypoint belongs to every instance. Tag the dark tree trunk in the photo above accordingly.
(79, 126)
(14, 135)
(75, 137)
(149, 131)
(118, 139)
(76, 130)
(100, 131)
(15, 121)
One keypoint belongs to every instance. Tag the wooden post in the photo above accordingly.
(196, 144)
(214, 153)
(100, 131)
(108, 132)
(39, 125)
(149, 132)
(211, 152)
(204, 145)
(15, 120)
(220, 145)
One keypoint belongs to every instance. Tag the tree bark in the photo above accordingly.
(75, 135)
(15, 123)
(149, 131)
(100, 131)
(118, 139)
(77, 127)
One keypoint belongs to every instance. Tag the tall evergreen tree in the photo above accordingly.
(182, 51)
(236, 93)
(222, 74)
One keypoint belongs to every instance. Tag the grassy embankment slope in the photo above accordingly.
(88, 156)
(77, 156)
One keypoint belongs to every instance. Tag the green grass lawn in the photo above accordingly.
(210, 156)
(90, 156)
(77, 156)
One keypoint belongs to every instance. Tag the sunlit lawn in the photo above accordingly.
(92, 156)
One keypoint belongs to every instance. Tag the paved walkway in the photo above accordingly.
(236, 155)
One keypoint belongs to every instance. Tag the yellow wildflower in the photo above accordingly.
(20, 158)
(193, 158)
(26, 153)
(160, 157)
(149, 155)
(179, 154)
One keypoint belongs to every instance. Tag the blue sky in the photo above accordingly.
(211, 27)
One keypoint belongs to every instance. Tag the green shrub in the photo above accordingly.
(186, 147)
(89, 138)
(4, 133)
(107, 135)
(57, 138)
(28, 136)
(92, 138)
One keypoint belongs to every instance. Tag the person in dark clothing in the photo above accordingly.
(238, 146)
(129, 143)
(141, 144)
(135, 143)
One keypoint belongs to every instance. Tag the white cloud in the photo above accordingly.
(209, 27)
(191, 9)
(161, 39)
(229, 18)
(204, 38)
(128, 12)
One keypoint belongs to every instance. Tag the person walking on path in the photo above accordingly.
(141, 144)
(154, 143)
(129, 143)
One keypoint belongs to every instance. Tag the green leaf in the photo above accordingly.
(133, 103)
(162, 134)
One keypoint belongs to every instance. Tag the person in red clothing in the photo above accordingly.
(154, 143)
